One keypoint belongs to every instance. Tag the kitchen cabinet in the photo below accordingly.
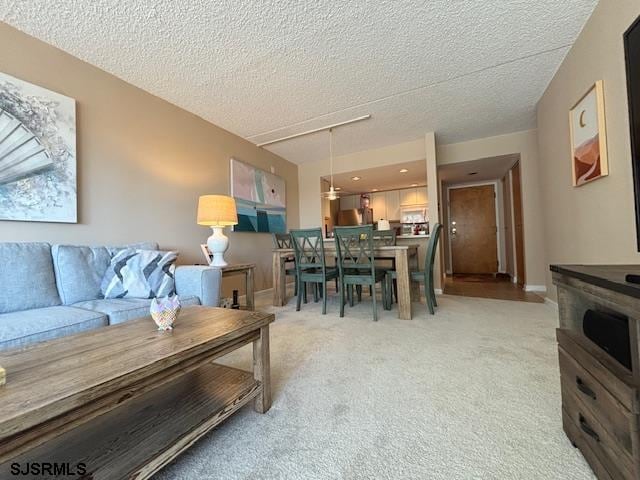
(413, 196)
(421, 195)
(378, 205)
(392, 200)
(408, 196)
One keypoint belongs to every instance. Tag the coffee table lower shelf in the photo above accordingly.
(140, 437)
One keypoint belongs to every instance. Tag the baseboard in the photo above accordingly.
(551, 303)
(438, 291)
(535, 288)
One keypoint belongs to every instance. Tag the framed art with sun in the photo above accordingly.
(589, 137)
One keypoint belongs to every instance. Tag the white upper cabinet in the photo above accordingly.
(379, 206)
(413, 196)
(421, 195)
(408, 196)
(393, 205)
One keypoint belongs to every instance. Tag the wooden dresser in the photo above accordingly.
(600, 402)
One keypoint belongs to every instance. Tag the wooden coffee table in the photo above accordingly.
(125, 400)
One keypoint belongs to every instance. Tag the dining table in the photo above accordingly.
(406, 260)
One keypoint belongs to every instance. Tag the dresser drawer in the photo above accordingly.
(605, 370)
(575, 435)
(597, 401)
(587, 430)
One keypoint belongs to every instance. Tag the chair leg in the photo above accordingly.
(341, 295)
(359, 290)
(432, 290)
(324, 297)
(303, 285)
(427, 294)
(395, 288)
(299, 296)
(370, 291)
(295, 286)
(337, 286)
(315, 292)
(351, 296)
(375, 308)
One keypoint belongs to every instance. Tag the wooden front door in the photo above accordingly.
(473, 230)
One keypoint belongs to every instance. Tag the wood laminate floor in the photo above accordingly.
(488, 286)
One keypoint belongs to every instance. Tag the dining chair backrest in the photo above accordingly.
(308, 247)
(384, 238)
(282, 240)
(354, 246)
(431, 246)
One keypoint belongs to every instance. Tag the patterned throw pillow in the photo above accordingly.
(140, 274)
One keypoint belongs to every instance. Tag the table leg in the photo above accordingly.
(249, 289)
(404, 287)
(279, 281)
(262, 370)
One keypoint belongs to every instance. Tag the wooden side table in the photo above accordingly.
(248, 270)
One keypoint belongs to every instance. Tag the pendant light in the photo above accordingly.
(331, 194)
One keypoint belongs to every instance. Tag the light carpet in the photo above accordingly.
(470, 393)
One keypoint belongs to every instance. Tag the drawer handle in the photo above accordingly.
(588, 430)
(584, 389)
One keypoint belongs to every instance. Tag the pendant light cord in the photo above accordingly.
(331, 155)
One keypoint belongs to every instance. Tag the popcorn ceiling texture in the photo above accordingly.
(472, 392)
(464, 69)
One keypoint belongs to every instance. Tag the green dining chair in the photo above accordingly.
(311, 266)
(356, 263)
(425, 276)
(386, 238)
(283, 240)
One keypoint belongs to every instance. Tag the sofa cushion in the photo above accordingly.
(26, 277)
(136, 246)
(120, 310)
(18, 329)
(140, 274)
(79, 271)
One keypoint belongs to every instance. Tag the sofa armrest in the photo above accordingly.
(202, 281)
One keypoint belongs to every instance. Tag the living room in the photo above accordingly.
(226, 239)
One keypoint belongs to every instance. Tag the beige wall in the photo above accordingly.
(142, 162)
(526, 144)
(594, 223)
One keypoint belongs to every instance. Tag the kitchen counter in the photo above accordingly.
(417, 237)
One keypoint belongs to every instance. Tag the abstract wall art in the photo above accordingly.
(589, 137)
(37, 153)
(260, 199)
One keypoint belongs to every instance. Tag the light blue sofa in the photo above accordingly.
(50, 291)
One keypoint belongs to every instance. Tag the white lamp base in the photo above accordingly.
(218, 243)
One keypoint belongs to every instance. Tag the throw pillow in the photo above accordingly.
(140, 274)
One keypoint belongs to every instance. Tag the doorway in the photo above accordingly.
(483, 243)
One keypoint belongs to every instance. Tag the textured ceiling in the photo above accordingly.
(264, 69)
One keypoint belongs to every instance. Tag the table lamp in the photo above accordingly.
(217, 212)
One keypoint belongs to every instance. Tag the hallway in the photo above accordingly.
(488, 286)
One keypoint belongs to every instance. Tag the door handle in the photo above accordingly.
(584, 389)
(587, 429)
